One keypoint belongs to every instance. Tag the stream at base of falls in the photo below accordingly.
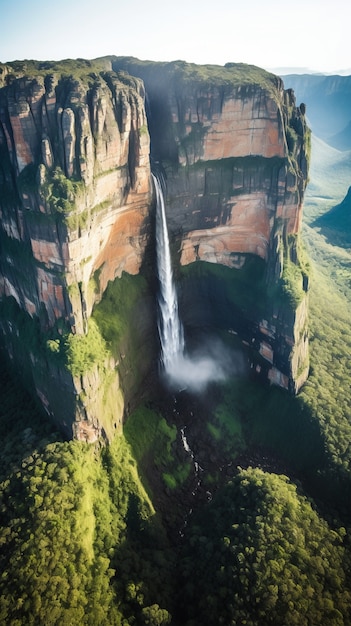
(198, 492)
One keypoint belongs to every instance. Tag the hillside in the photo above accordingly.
(329, 176)
(335, 225)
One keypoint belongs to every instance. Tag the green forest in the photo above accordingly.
(94, 534)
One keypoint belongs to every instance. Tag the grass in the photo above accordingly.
(254, 414)
(292, 282)
(225, 425)
(327, 390)
(83, 352)
(75, 68)
(113, 313)
(60, 193)
(146, 431)
(152, 440)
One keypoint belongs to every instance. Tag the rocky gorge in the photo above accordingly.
(78, 140)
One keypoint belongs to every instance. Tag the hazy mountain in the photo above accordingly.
(284, 71)
(335, 225)
(329, 178)
(328, 101)
(342, 139)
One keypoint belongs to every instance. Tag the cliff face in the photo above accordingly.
(75, 195)
(234, 148)
(76, 180)
(236, 162)
(76, 200)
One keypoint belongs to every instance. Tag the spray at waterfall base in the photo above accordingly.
(214, 363)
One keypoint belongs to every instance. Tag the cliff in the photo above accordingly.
(75, 196)
(76, 214)
(235, 148)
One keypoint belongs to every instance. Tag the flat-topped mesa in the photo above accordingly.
(75, 180)
(244, 145)
(75, 192)
(234, 147)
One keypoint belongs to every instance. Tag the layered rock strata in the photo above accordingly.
(75, 196)
(236, 162)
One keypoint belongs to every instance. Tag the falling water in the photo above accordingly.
(170, 328)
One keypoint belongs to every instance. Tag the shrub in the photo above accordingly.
(83, 352)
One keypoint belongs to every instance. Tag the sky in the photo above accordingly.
(308, 34)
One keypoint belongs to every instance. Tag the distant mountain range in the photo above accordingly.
(328, 110)
(328, 102)
(336, 223)
(284, 71)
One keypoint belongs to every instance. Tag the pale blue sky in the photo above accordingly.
(313, 34)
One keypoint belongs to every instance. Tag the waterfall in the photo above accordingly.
(183, 371)
(169, 325)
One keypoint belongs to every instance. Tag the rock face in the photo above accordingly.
(76, 157)
(236, 161)
(75, 194)
(76, 208)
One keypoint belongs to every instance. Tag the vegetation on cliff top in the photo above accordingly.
(231, 74)
(190, 74)
(82, 69)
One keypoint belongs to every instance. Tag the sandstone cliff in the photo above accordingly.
(75, 195)
(234, 147)
(76, 213)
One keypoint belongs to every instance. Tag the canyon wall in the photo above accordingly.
(75, 197)
(77, 214)
(234, 149)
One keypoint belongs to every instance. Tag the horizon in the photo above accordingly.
(270, 38)
(280, 71)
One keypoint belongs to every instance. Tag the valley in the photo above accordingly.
(224, 505)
